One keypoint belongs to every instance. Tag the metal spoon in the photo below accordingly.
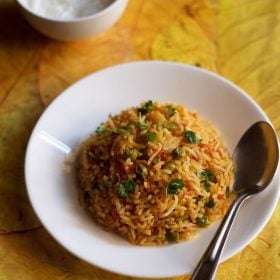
(256, 157)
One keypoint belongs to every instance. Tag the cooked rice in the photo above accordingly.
(135, 181)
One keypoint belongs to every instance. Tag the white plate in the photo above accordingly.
(81, 108)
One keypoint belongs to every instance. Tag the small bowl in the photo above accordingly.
(76, 28)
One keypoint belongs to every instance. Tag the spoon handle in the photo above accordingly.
(207, 265)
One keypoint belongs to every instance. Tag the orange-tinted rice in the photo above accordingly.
(128, 170)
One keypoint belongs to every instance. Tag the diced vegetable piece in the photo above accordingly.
(142, 126)
(162, 155)
(202, 222)
(171, 111)
(156, 159)
(191, 137)
(142, 171)
(172, 236)
(178, 152)
(156, 117)
(207, 177)
(125, 187)
(148, 106)
(169, 166)
(174, 186)
(210, 204)
(132, 154)
(99, 130)
(140, 122)
(151, 136)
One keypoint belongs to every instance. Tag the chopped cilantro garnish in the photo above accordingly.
(191, 137)
(174, 186)
(99, 130)
(140, 123)
(207, 177)
(210, 204)
(125, 187)
(171, 111)
(146, 108)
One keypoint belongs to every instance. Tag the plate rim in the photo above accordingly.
(68, 91)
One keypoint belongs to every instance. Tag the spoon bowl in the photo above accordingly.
(256, 157)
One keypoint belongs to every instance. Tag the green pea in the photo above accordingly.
(156, 160)
(169, 166)
(178, 152)
(151, 137)
(142, 171)
(132, 154)
(202, 222)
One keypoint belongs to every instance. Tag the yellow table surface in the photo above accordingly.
(239, 39)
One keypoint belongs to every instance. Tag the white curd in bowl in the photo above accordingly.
(66, 9)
